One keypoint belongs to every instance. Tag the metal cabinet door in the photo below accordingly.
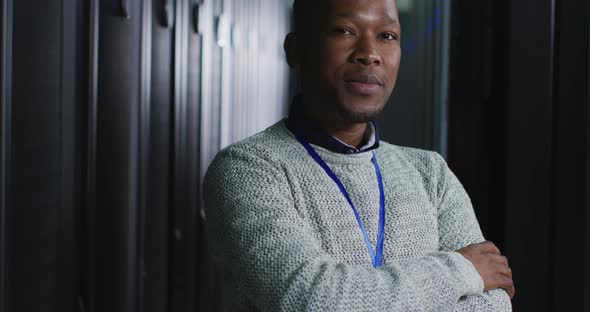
(191, 29)
(114, 228)
(159, 16)
(39, 152)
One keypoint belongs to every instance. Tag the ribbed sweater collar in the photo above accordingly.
(327, 155)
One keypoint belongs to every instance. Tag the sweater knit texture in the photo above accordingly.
(286, 239)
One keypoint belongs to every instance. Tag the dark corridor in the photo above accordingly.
(111, 110)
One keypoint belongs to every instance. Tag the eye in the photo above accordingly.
(342, 31)
(389, 36)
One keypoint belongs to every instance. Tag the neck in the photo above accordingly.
(348, 132)
(352, 135)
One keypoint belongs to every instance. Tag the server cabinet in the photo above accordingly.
(519, 140)
(571, 160)
(40, 217)
(186, 145)
(110, 112)
(147, 156)
(117, 209)
(158, 200)
(40, 150)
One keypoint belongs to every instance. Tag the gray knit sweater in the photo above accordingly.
(287, 240)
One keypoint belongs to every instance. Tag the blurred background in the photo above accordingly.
(111, 110)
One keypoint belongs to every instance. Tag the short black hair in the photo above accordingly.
(305, 14)
(298, 12)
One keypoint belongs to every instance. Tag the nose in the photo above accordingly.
(365, 52)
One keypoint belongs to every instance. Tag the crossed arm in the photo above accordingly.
(460, 231)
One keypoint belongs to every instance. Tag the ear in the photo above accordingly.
(290, 46)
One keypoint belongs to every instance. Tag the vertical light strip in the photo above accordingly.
(226, 112)
(255, 101)
(144, 145)
(550, 164)
(177, 142)
(441, 30)
(180, 299)
(207, 131)
(180, 80)
(177, 105)
(88, 305)
(5, 113)
(66, 248)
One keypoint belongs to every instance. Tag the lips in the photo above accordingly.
(363, 84)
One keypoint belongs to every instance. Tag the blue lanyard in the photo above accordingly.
(376, 255)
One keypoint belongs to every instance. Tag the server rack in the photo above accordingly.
(519, 139)
(110, 112)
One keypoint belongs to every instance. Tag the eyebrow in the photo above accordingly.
(386, 19)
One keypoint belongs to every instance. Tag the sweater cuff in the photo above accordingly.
(471, 279)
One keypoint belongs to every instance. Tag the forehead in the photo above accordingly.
(361, 8)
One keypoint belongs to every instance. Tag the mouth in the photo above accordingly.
(363, 84)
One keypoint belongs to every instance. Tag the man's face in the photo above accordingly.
(351, 58)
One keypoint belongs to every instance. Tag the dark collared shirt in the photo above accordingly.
(298, 122)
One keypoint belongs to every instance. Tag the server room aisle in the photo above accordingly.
(111, 110)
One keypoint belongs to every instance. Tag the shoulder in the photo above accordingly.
(425, 161)
(247, 175)
(261, 152)
(422, 167)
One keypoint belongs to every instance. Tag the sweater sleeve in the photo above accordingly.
(277, 262)
(458, 228)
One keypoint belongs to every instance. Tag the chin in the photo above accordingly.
(355, 108)
(362, 116)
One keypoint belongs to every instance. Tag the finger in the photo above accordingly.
(501, 265)
(491, 247)
(503, 260)
(511, 291)
(505, 270)
(499, 259)
(504, 281)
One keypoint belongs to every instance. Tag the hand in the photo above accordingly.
(491, 265)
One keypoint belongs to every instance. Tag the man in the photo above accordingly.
(316, 214)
